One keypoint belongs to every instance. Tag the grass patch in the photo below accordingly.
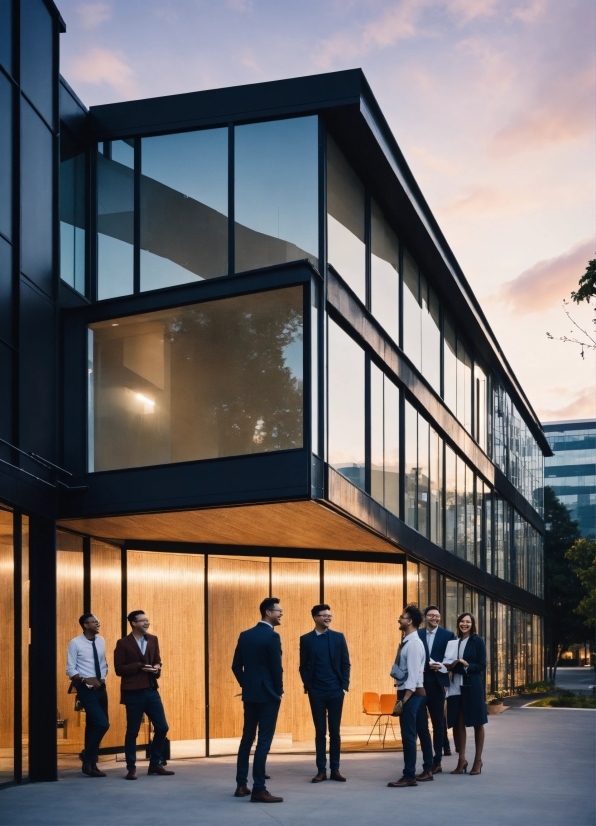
(565, 699)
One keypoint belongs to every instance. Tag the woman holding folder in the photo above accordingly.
(465, 659)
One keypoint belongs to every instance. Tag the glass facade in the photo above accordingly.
(221, 378)
(384, 273)
(384, 399)
(115, 219)
(184, 208)
(276, 175)
(72, 214)
(571, 472)
(346, 207)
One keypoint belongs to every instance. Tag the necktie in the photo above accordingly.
(96, 661)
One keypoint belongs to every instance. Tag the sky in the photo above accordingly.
(491, 101)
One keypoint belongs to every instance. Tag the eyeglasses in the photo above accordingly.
(276, 610)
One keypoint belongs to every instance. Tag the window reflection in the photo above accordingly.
(450, 499)
(346, 250)
(346, 405)
(411, 466)
(411, 315)
(384, 440)
(276, 192)
(115, 219)
(222, 378)
(423, 475)
(436, 488)
(72, 215)
(384, 273)
(184, 208)
(430, 334)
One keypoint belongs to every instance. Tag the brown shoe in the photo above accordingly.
(403, 781)
(437, 768)
(265, 797)
(335, 775)
(267, 777)
(318, 778)
(242, 791)
(132, 774)
(424, 776)
(91, 770)
(158, 770)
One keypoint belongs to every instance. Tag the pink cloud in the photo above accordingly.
(92, 15)
(547, 282)
(581, 406)
(104, 66)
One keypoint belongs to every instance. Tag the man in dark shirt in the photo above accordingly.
(325, 672)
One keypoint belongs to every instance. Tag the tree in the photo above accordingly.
(563, 626)
(586, 292)
(582, 556)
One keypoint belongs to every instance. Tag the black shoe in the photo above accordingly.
(242, 791)
(91, 770)
(159, 770)
(447, 752)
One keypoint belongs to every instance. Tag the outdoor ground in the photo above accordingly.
(538, 769)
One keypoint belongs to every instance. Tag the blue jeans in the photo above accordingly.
(138, 702)
(414, 722)
(326, 707)
(264, 717)
(95, 703)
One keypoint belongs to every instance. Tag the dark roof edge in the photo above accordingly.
(55, 11)
(382, 130)
(73, 94)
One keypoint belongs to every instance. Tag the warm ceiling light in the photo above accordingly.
(145, 400)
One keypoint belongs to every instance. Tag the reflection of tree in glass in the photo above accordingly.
(232, 390)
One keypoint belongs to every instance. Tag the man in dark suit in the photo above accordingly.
(435, 641)
(138, 662)
(257, 667)
(325, 672)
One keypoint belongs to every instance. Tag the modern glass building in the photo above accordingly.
(238, 358)
(571, 472)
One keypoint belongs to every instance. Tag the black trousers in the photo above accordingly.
(326, 707)
(435, 702)
(95, 703)
(144, 701)
(261, 716)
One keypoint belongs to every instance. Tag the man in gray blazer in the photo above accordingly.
(325, 672)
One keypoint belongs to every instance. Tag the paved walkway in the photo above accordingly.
(575, 679)
(538, 769)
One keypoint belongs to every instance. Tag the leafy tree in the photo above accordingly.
(563, 626)
(586, 292)
(587, 284)
(582, 556)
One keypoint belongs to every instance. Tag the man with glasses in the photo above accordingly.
(411, 705)
(257, 667)
(436, 680)
(138, 662)
(87, 667)
(325, 672)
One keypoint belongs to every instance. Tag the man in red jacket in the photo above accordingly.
(138, 663)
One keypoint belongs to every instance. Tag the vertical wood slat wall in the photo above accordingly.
(69, 607)
(6, 645)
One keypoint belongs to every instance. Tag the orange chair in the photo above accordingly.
(387, 704)
(372, 707)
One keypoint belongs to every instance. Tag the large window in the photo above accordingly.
(221, 378)
(276, 192)
(184, 208)
(384, 471)
(384, 273)
(115, 219)
(72, 214)
(345, 220)
(346, 405)
(422, 323)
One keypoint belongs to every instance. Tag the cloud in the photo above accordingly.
(92, 15)
(581, 406)
(547, 282)
(478, 198)
(467, 10)
(530, 12)
(104, 66)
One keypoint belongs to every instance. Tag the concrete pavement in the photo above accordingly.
(538, 769)
(578, 680)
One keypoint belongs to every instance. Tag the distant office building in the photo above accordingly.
(571, 472)
(238, 357)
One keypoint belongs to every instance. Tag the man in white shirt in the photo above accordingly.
(413, 720)
(87, 667)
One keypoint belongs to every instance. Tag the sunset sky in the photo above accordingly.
(491, 101)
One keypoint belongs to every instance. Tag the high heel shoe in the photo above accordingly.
(462, 767)
(477, 767)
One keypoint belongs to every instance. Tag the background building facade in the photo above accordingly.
(571, 471)
(238, 358)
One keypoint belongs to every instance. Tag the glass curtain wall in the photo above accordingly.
(384, 273)
(346, 422)
(276, 192)
(115, 218)
(72, 213)
(221, 378)
(384, 400)
(346, 248)
(184, 208)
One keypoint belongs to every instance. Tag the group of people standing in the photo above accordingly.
(430, 667)
(433, 665)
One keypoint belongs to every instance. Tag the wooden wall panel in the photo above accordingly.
(25, 642)
(170, 589)
(366, 598)
(69, 598)
(237, 585)
(297, 584)
(412, 590)
(106, 597)
(6, 645)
